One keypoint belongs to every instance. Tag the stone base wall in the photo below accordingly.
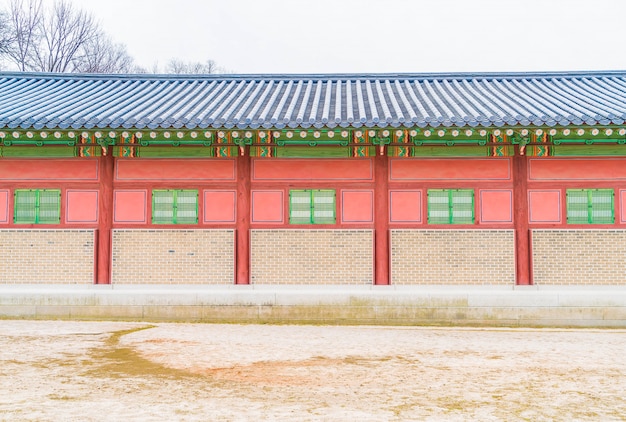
(472, 257)
(483, 306)
(312, 256)
(47, 256)
(173, 256)
(579, 257)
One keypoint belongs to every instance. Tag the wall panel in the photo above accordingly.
(267, 206)
(459, 169)
(219, 206)
(172, 169)
(82, 206)
(4, 206)
(577, 169)
(294, 256)
(405, 206)
(130, 206)
(544, 206)
(476, 257)
(357, 206)
(579, 257)
(172, 256)
(622, 205)
(47, 256)
(45, 169)
(321, 169)
(496, 206)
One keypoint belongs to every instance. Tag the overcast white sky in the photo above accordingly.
(361, 36)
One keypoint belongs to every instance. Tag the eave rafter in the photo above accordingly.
(320, 137)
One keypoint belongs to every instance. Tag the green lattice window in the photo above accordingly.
(590, 206)
(309, 206)
(450, 206)
(175, 206)
(37, 206)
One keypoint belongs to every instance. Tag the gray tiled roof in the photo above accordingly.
(31, 100)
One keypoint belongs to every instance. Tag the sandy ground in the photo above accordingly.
(99, 371)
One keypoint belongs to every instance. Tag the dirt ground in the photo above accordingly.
(98, 371)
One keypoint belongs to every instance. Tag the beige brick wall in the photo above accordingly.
(173, 256)
(36, 256)
(293, 256)
(485, 257)
(579, 257)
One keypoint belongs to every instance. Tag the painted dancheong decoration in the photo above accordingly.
(424, 179)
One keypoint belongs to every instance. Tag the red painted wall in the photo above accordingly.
(81, 206)
(219, 206)
(549, 179)
(267, 206)
(310, 169)
(130, 206)
(356, 182)
(544, 206)
(496, 206)
(4, 206)
(577, 169)
(171, 169)
(74, 169)
(405, 206)
(459, 169)
(357, 206)
(622, 205)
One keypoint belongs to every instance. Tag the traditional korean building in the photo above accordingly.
(403, 179)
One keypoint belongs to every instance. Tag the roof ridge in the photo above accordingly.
(321, 76)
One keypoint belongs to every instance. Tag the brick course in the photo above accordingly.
(579, 257)
(50, 256)
(293, 256)
(173, 256)
(476, 257)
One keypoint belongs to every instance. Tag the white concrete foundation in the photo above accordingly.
(597, 306)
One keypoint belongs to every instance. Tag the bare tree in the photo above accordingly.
(64, 34)
(6, 33)
(25, 20)
(180, 67)
(101, 55)
(61, 39)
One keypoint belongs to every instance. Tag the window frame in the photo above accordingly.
(175, 218)
(312, 208)
(37, 210)
(431, 219)
(590, 219)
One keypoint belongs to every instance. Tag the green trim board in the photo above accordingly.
(590, 206)
(312, 152)
(38, 152)
(37, 140)
(174, 206)
(449, 141)
(588, 140)
(450, 206)
(607, 150)
(37, 206)
(449, 151)
(589, 150)
(312, 206)
(174, 152)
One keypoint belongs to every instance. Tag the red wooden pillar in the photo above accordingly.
(242, 257)
(105, 223)
(381, 218)
(520, 217)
